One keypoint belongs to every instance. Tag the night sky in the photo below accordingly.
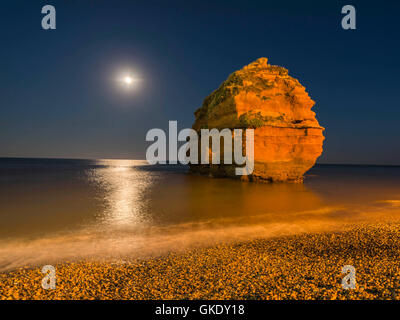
(58, 97)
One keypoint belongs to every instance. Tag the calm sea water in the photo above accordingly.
(57, 210)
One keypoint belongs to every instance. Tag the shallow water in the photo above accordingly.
(57, 210)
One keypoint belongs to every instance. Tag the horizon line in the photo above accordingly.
(78, 158)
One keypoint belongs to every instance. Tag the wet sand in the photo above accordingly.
(305, 266)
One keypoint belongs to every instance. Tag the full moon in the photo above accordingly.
(128, 80)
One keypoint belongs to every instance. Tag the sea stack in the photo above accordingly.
(287, 136)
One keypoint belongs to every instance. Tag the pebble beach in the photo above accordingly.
(305, 266)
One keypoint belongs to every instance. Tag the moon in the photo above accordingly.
(128, 80)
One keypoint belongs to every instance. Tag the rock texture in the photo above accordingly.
(287, 137)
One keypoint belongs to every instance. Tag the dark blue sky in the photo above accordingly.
(58, 98)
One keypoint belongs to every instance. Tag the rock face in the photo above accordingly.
(287, 137)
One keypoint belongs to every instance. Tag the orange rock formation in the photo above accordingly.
(287, 137)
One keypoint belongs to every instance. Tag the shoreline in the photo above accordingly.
(304, 266)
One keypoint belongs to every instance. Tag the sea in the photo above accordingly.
(62, 210)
